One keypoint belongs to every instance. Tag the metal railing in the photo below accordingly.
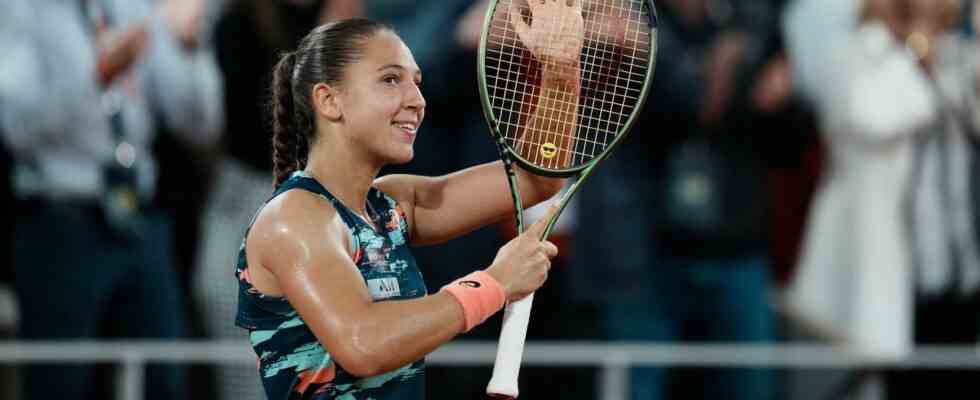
(612, 359)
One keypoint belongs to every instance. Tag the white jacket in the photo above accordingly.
(854, 278)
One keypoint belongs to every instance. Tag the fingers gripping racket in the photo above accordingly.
(561, 82)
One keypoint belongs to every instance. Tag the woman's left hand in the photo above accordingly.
(556, 34)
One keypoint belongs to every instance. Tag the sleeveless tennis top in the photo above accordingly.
(292, 363)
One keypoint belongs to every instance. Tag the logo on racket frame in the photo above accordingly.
(549, 150)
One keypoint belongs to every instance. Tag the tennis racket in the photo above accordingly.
(561, 82)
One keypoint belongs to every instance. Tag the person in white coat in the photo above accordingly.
(853, 280)
(886, 84)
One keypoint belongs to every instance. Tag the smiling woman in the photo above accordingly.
(329, 290)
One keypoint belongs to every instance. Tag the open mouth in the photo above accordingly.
(408, 128)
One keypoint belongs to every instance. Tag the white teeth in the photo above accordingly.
(408, 127)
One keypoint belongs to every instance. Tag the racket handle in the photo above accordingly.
(510, 349)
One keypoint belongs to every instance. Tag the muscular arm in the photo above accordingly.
(312, 267)
(441, 208)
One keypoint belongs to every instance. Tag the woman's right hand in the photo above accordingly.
(522, 265)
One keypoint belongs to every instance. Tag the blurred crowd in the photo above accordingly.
(804, 170)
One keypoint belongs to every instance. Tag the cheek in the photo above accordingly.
(390, 105)
(379, 109)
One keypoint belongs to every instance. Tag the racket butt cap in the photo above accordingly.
(499, 390)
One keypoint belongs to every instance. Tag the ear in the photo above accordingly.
(326, 103)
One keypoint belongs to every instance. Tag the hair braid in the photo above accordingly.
(286, 138)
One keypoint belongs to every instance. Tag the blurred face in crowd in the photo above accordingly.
(893, 13)
(380, 101)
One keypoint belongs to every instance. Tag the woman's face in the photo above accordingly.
(380, 99)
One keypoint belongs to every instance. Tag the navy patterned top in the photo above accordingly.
(291, 362)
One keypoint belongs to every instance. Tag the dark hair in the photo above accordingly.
(321, 56)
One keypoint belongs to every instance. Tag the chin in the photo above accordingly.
(402, 157)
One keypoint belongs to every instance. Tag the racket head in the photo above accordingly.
(617, 66)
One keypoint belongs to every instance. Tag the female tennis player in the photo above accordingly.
(329, 290)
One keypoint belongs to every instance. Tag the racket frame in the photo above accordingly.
(509, 157)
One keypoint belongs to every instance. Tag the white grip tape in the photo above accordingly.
(510, 348)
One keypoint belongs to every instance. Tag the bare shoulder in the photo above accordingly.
(292, 228)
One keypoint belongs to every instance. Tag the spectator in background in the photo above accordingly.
(693, 264)
(893, 217)
(856, 238)
(84, 87)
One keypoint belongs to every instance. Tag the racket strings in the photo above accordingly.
(613, 62)
(613, 85)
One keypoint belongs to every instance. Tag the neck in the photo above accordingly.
(346, 173)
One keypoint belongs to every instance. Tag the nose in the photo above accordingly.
(414, 99)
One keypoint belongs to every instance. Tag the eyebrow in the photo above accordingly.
(397, 66)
